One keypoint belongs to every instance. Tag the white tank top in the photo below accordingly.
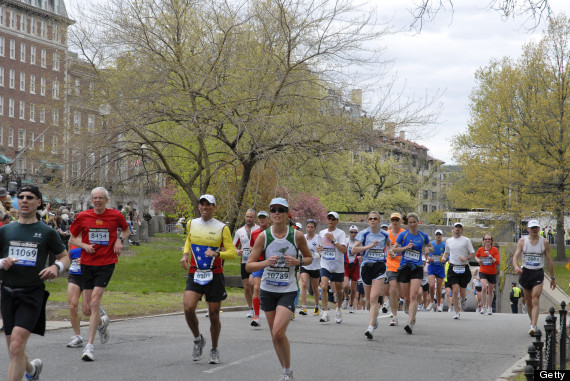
(533, 255)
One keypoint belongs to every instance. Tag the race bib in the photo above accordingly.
(75, 267)
(26, 253)
(99, 236)
(245, 255)
(487, 261)
(459, 269)
(377, 255)
(412, 255)
(277, 276)
(436, 258)
(203, 277)
(329, 253)
(532, 260)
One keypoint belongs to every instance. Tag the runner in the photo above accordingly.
(477, 289)
(373, 243)
(241, 242)
(202, 258)
(26, 247)
(436, 272)
(535, 251)
(488, 258)
(458, 249)
(74, 290)
(332, 264)
(279, 289)
(351, 272)
(410, 244)
(311, 273)
(263, 221)
(423, 294)
(392, 264)
(95, 232)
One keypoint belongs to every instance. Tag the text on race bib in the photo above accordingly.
(203, 277)
(436, 258)
(412, 255)
(26, 253)
(245, 255)
(75, 267)
(377, 255)
(99, 236)
(487, 261)
(277, 276)
(532, 260)
(459, 269)
(329, 253)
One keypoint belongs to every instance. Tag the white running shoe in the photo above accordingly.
(440, 308)
(38, 366)
(88, 354)
(490, 311)
(287, 377)
(457, 315)
(385, 307)
(394, 322)
(255, 323)
(477, 310)
(103, 331)
(198, 347)
(249, 313)
(369, 333)
(532, 330)
(350, 309)
(482, 311)
(338, 317)
(406, 309)
(214, 356)
(431, 306)
(324, 317)
(76, 342)
(344, 304)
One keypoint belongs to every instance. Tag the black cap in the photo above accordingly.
(32, 189)
(514, 283)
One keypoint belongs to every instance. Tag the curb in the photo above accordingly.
(517, 368)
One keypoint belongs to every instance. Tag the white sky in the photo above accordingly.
(446, 54)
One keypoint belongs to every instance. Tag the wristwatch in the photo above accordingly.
(121, 238)
(333, 242)
(301, 262)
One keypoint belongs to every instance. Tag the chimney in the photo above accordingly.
(390, 129)
(356, 97)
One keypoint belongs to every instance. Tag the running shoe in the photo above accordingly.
(293, 316)
(76, 342)
(440, 308)
(384, 308)
(255, 322)
(344, 304)
(103, 331)
(451, 309)
(390, 313)
(406, 309)
(457, 315)
(303, 311)
(102, 311)
(350, 309)
(482, 311)
(409, 327)
(324, 317)
(88, 353)
(369, 333)
(421, 307)
(338, 317)
(249, 313)
(198, 347)
(214, 356)
(376, 323)
(463, 303)
(38, 365)
(287, 377)
(316, 311)
(431, 306)
(477, 310)
(490, 311)
(394, 322)
(532, 330)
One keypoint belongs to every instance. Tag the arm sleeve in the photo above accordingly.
(228, 244)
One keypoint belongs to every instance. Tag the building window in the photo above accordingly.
(32, 55)
(23, 23)
(43, 86)
(32, 112)
(32, 139)
(22, 52)
(77, 87)
(12, 19)
(55, 33)
(42, 142)
(426, 195)
(32, 84)
(43, 29)
(1, 105)
(91, 89)
(10, 137)
(1, 136)
(2, 44)
(75, 169)
(21, 138)
(33, 30)
(54, 141)
(22, 81)
(42, 114)
(11, 107)
(90, 123)
(13, 49)
(22, 110)
(434, 196)
(56, 61)
(12, 79)
(77, 123)
(43, 58)
(55, 90)
(425, 208)
(2, 76)
(55, 117)
(433, 208)
(2, 16)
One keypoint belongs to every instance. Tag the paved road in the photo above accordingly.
(476, 347)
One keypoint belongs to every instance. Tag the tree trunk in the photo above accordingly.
(560, 246)
(240, 194)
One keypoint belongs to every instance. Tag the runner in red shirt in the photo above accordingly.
(95, 232)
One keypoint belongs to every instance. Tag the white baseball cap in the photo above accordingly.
(207, 197)
(353, 228)
(438, 231)
(279, 201)
(533, 224)
(457, 224)
(334, 214)
(262, 213)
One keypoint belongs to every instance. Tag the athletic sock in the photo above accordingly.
(256, 306)
(287, 371)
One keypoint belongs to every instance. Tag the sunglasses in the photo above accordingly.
(353, 232)
(27, 197)
(487, 239)
(373, 219)
(395, 219)
(278, 210)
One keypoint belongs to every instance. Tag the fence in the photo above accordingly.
(535, 350)
(173, 228)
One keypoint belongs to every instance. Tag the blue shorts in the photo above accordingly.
(258, 273)
(333, 277)
(437, 270)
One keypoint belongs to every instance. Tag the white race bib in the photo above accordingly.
(245, 255)
(532, 259)
(203, 277)
(436, 258)
(75, 267)
(277, 276)
(459, 269)
(329, 253)
(412, 255)
(487, 261)
(99, 236)
(377, 255)
(26, 253)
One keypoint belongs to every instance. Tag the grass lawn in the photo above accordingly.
(147, 280)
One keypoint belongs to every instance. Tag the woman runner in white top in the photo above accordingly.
(279, 283)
